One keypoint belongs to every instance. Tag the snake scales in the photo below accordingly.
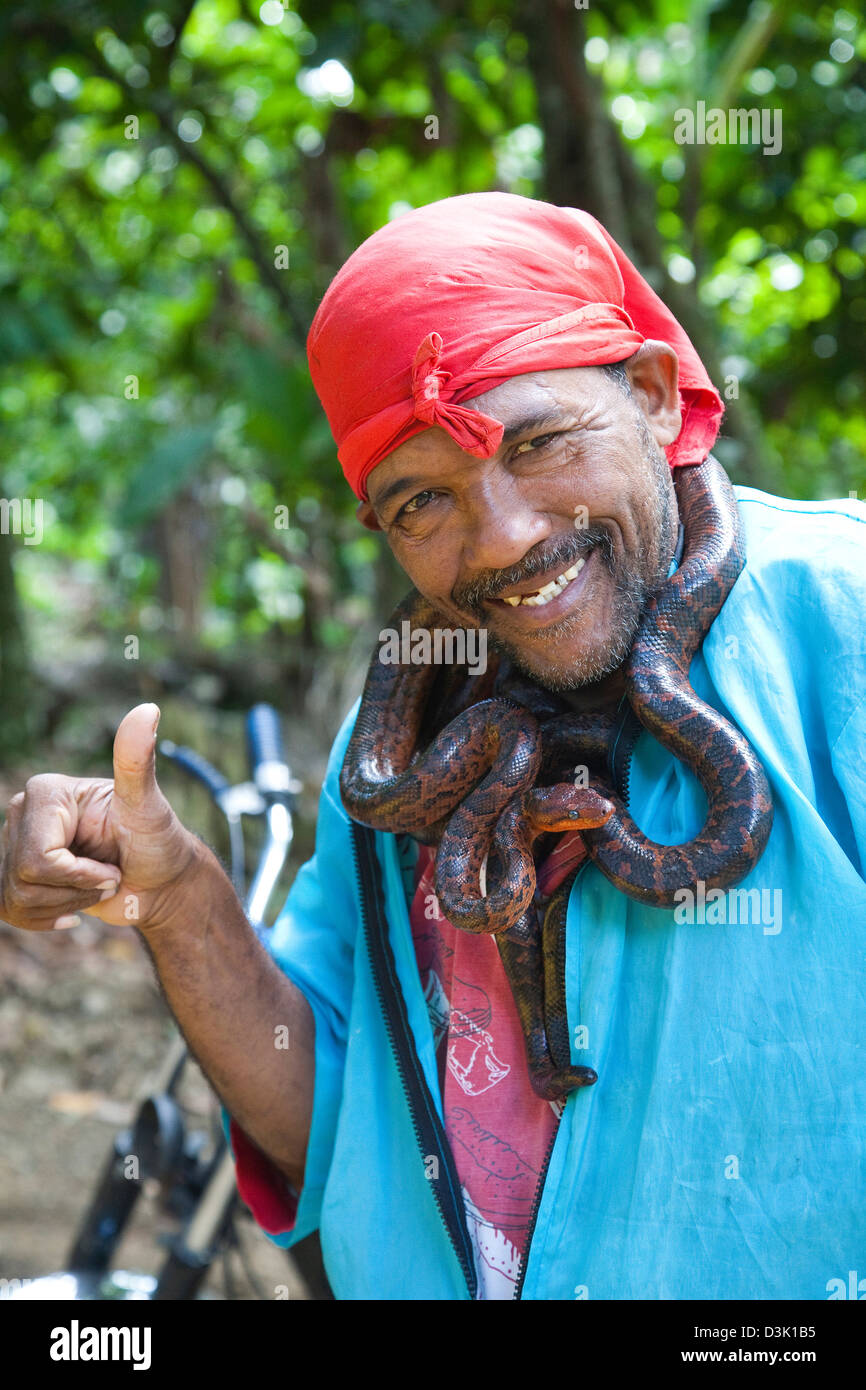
(475, 765)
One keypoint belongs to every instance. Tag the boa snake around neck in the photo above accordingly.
(476, 766)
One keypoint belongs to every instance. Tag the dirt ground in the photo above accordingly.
(83, 1028)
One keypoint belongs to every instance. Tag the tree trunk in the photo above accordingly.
(588, 165)
(16, 694)
(182, 545)
(580, 165)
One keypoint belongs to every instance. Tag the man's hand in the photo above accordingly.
(113, 849)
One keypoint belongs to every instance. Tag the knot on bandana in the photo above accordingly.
(477, 434)
(427, 377)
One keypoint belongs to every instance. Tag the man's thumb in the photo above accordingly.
(135, 755)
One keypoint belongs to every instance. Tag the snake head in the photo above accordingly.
(566, 807)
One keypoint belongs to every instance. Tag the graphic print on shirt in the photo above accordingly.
(473, 1063)
(498, 1129)
(464, 1016)
(504, 1184)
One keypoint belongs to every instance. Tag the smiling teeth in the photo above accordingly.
(549, 591)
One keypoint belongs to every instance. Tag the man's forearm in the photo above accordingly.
(249, 1027)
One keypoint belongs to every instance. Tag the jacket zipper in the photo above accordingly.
(429, 1130)
(533, 1215)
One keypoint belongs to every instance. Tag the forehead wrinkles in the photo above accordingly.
(562, 387)
(530, 389)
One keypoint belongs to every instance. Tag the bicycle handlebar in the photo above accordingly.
(196, 765)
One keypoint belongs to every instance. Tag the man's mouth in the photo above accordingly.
(537, 598)
(557, 595)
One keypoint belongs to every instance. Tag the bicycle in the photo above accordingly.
(199, 1191)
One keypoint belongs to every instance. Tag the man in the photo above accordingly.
(465, 357)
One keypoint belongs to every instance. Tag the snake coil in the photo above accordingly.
(487, 782)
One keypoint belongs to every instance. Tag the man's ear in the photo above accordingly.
(653, 373)
(367, 517)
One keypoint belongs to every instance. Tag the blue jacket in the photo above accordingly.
(721, 1153)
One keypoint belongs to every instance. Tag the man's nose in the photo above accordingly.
(501, 527)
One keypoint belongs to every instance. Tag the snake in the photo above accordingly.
(476, 765)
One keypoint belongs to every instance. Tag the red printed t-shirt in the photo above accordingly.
(498, 1129)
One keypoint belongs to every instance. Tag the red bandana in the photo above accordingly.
(454, 298)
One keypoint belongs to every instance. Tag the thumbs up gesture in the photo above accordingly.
(114, 849)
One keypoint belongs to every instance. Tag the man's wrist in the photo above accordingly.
(202, 890)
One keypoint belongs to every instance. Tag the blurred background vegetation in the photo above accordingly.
(178, 185)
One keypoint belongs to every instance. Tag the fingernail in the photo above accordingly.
(107, 890)
(70, 920)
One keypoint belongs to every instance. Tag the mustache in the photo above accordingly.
(547, 555)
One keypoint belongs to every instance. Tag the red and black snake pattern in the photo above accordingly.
(475, 765)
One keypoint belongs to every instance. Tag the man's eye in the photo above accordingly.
(534, 445)
(415, 503)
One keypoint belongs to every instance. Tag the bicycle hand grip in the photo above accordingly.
(264, 736)
(267, 759)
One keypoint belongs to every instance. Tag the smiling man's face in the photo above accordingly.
(556, 543)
